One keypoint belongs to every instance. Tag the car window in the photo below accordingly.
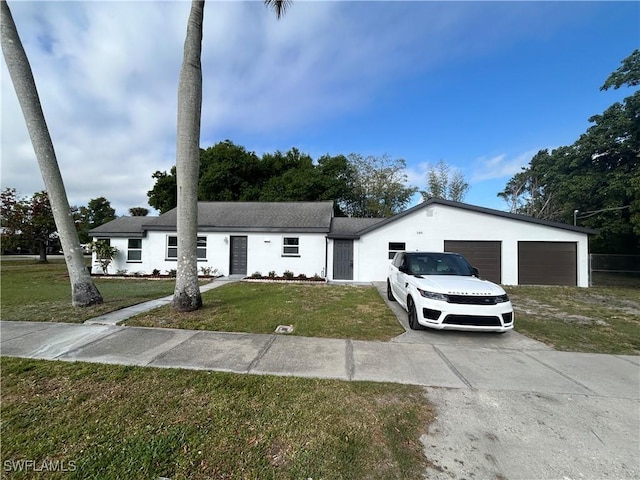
(437, 264)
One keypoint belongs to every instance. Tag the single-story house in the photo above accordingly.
(242, 238)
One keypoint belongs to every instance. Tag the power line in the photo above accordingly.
(594, 212)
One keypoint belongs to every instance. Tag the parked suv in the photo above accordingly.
(443, 291)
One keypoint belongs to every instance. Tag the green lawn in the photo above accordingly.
(314, 310)
(37, 292)
(102, 421)
(597, 319)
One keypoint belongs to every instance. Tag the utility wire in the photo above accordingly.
(594, 212)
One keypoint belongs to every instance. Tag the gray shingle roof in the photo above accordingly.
(121, 227)
(312, 217)
(348, 227)
(255, 216)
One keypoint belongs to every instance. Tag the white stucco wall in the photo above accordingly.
(264, 254)
(426, 229)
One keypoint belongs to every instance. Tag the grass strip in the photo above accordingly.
(139, 423)
(314, 310)
(596, 320)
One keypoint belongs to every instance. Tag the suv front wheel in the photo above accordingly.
(390, 293)
(413, 315)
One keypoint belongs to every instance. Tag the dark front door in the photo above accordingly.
(343, 259)
(238, 256)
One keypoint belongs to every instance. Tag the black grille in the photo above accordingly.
(507, 317)
(472, 320)
(471, 300)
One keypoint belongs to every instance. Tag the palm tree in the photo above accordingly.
(186, 296)
(83, 291)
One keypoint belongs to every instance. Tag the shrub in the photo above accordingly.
(121, 272)
(317, 277)
(272, 274)
(302, 276)
(155, 272)
(172, 273)
(288, 274)
(206, 271)
(256, 275)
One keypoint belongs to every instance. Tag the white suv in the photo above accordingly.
(441, 290)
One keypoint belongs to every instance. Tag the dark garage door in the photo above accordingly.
(484, 255)
(547, 263)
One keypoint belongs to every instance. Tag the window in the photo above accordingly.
(291, 246)
(395, 247)
(134, 250)
(172, 248)
(202, 248)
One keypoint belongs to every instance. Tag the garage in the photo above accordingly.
(547, 263)
(484, 255)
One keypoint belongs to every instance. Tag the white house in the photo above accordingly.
(241, 238)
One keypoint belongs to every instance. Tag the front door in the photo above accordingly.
(343, 259)
(238, 261)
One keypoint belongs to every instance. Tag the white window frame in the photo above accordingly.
(201, 248)
(290, 246)
(393, 251)
(131, 249)
(171, 249)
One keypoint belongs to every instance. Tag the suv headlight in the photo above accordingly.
(502, 298)
(434, 296)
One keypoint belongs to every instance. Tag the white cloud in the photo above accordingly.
(107, 77)
(500, 166)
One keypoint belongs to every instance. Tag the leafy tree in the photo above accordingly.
(27, 222)
(229, 172)
(97, 212)
(163, 195)
(444, 183)
(598, 175)
(83, 290)
(105, 254)
(379, 187)
(139, 212)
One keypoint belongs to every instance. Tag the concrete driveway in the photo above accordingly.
(517, 427)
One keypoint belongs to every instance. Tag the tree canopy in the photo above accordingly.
(444, 183)
(359, 186)
(97, 212)
(598, 175)
(27, 223)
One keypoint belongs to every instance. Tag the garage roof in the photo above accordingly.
(473, 208)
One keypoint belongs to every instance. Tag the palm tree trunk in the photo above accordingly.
(83, 290)
(187, 292)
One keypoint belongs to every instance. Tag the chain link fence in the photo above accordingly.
(614, 270)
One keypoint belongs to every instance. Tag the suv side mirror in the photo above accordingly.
(475, 272)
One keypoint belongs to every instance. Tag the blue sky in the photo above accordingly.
(480, 85)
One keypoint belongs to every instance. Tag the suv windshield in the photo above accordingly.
(437, 264)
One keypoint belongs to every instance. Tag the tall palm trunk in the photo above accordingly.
(187, 292)
(83, 290)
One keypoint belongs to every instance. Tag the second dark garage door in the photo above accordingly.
(547, 263)
(484, 255)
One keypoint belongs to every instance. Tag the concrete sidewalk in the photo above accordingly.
(448, 366)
